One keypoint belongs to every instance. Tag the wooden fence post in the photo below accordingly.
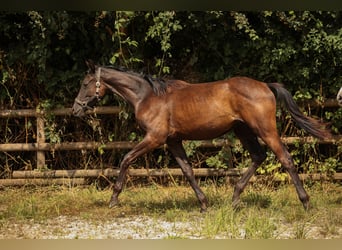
(40, 140)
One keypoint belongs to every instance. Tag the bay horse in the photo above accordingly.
(174, 110)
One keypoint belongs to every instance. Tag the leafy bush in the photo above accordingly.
(42, 57)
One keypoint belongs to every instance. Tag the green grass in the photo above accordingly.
(267, 212)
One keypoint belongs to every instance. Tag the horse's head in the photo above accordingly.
(339, 97)
(91, 91)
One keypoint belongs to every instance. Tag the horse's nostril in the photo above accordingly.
(75, 109)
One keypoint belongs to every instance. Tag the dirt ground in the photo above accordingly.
(138, 227)
(64, 227)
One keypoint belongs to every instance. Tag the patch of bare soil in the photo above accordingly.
(138, 227)
(64, 227)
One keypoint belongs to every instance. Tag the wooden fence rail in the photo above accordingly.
(67, 146)
(40, 146)
(57, 112)
(109, 110)
(137, 172)
(79, 176)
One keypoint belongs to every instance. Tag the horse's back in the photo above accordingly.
(220, 97)
(248, 87)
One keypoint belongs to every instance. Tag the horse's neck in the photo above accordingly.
(132, 89)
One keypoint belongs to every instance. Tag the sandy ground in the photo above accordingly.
(64, 227)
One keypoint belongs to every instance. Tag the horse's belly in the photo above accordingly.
(202, 129)
(200, 115)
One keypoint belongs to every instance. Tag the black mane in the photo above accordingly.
(158, 85)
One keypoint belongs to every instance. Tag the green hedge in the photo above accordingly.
(42, 56)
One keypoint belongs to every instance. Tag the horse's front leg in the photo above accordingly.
(147, 144)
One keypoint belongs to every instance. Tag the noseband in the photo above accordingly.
(96, 98)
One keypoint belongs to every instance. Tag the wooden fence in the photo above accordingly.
(73, 176)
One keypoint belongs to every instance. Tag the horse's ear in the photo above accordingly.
(91, 65)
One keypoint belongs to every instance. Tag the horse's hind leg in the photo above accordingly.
(261, 119)
(267, 131)
(178, 152)
(257, 153)
(274, 142)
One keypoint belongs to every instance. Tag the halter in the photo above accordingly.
(85, 104)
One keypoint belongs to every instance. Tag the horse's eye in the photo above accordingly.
(85, 83)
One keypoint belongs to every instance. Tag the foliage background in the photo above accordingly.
(42, 56)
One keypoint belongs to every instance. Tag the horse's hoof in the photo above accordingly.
(238, 205)
(306, 206)
(113, 203)
(203, 210)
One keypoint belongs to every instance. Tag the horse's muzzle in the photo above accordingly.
(80, 107)
(78, 110)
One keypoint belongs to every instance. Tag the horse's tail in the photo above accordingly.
(312, 126)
